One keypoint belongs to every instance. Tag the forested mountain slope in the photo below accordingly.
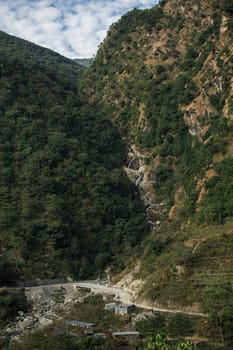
(165, 77)
(162, 82)
(66, 207)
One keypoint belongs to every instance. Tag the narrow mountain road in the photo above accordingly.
(120, 294)
(126, 297)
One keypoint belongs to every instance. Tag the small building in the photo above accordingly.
(110, 306)
(100, 335)
(75, 323)
(127, 334)
(124, 309)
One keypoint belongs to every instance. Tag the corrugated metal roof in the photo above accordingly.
(125, 334)
(111, 305)
(79, 323)
(125, 305)
(101, 334)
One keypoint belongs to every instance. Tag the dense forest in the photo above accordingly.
(66, 208)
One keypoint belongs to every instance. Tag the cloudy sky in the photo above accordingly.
(73, 28)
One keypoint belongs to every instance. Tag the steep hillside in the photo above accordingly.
(44, 59)
(66, 207)
(164, 75)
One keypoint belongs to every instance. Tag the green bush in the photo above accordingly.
(159, 342)
(228, 6)
(180, 325)
(218, 205)
(218, 302)
(151, 324)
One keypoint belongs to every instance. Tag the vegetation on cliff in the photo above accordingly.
(165, 77)
(168, 97)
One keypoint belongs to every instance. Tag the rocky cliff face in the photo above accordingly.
(140, 174)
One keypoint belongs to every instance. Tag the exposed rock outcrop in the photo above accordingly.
(46, 301)
(140, 174)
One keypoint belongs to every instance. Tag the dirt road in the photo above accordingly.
(98, 288)
(126, 297)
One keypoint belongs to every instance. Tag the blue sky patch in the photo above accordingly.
(74, 28)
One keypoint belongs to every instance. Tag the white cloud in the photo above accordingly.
(73, 28)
